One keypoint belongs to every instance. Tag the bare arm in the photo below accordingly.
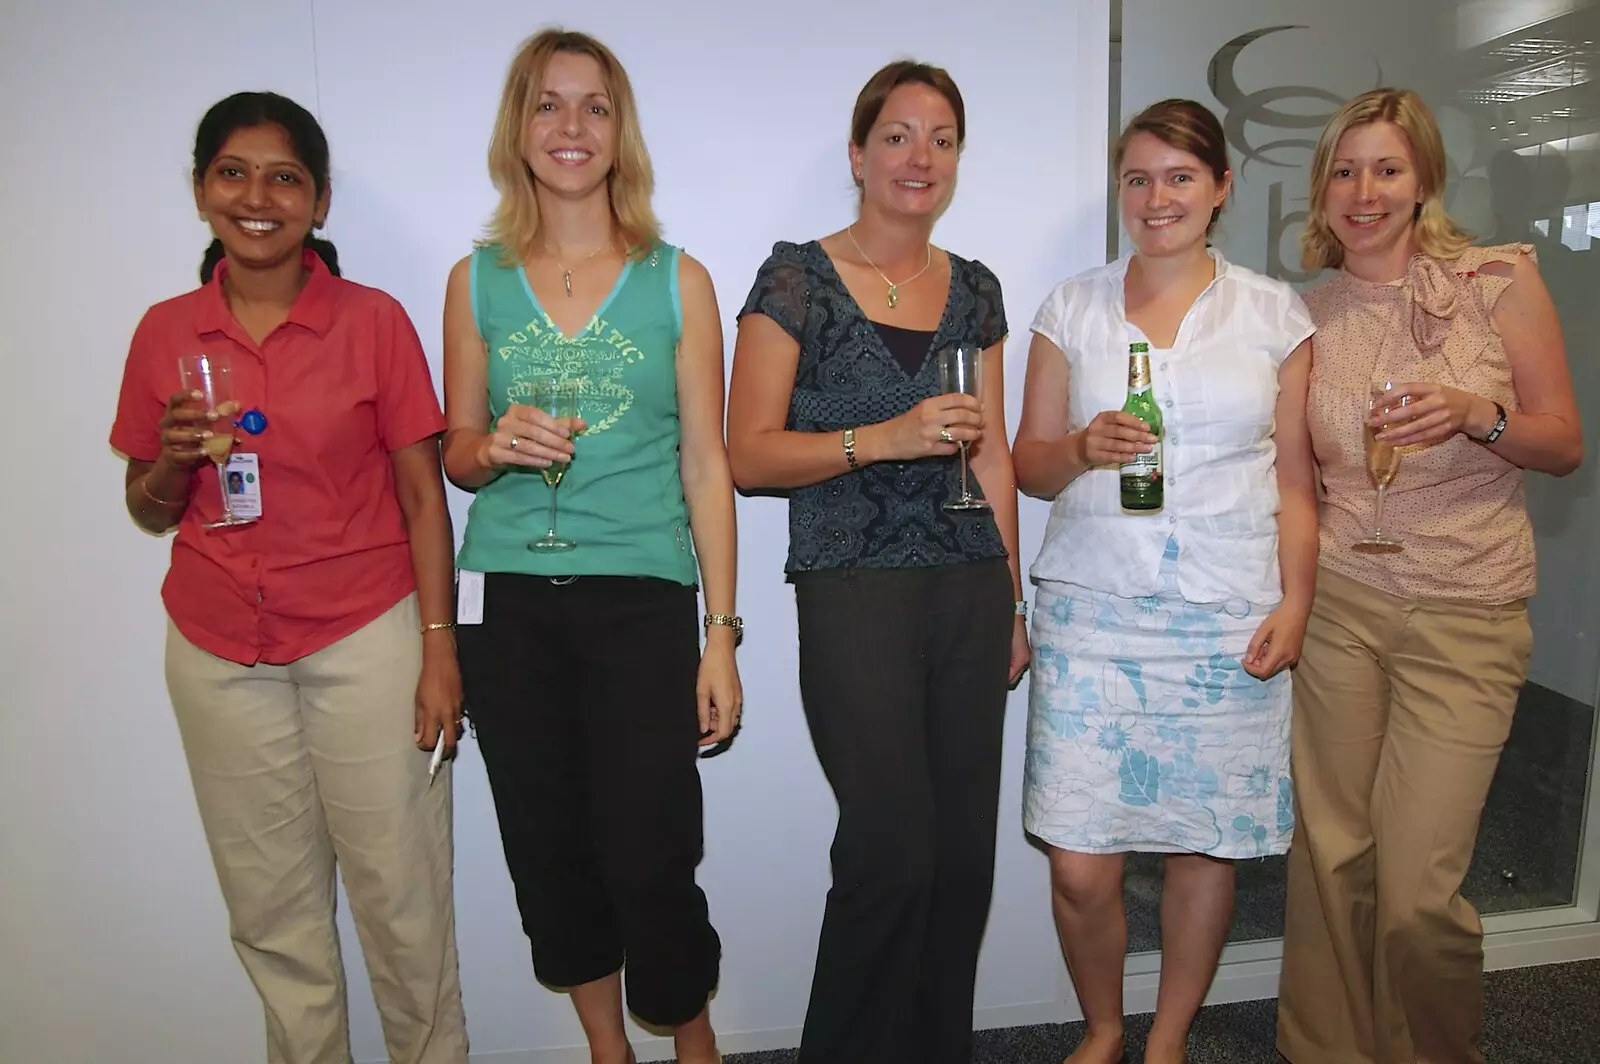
(990, 461)
(763, 454)
(157, 493)
(1046, 454)
(703, 461)
(989, 458)
(420, 491)
(1297, 483)
(476, 452)
(419, 487)
(1545, 433)
(708, 490)
(1276, 644)
(466, 387)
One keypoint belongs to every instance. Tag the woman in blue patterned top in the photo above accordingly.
(910, 631)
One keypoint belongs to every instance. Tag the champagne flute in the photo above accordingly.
(559, 399)
(1383, 462)
(212, 377)
(961, 372)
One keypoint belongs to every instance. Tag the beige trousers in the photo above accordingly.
(1401, 709)
(298, 768)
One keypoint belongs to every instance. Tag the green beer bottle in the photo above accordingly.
(1141, 477)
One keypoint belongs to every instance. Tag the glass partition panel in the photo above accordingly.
(1513, 84)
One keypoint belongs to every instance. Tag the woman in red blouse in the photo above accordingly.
(310, 652)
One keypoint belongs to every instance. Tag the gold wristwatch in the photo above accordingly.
(727, 620)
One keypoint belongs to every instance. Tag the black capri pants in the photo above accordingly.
(582, 696)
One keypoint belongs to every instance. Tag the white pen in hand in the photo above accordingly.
(438, 757)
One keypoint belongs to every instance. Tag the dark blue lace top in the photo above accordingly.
(887, 515)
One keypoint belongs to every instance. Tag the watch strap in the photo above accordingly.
(1499, 424)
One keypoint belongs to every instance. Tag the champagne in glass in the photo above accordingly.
(1383, 462)
(961, 371)
(212, 377)
(559, 399)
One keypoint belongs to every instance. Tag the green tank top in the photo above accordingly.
(621, 500)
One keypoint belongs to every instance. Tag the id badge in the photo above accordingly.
(469, 597)
(243, 482)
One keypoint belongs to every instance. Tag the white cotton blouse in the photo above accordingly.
(1218, 390)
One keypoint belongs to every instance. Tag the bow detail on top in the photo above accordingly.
(1435, 296)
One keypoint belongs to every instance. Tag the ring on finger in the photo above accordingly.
(513, 443)
(944, 434)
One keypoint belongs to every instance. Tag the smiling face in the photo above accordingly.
(570, 142)
(1167, 196)
(259, 198)
(906, 164)
(1374, 189)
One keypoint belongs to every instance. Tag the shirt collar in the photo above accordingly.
(1119, 271)
(312, 309)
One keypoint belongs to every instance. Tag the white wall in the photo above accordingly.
(111, 927)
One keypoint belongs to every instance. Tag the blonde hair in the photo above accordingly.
(515, 224)
(1438, 236)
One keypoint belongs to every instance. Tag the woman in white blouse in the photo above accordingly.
(1159, 704)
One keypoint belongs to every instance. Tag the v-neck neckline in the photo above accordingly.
(1178, 338)
(605, 304)
(877, 338)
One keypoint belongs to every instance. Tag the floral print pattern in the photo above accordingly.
(1144, 731)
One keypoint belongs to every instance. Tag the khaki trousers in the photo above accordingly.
(1401, 709)
(298, 768)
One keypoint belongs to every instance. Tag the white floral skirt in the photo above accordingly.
(1146, 734)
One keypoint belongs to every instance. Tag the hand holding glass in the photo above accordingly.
(212, 377)
(961, 372)
(1383, 462)
(559, 399)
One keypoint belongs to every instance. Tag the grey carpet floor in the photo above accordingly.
(1548, 1015)
(1526, 858)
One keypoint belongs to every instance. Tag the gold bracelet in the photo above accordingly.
(727, 620)
(850, 449)
(438, 626)
(144, 486)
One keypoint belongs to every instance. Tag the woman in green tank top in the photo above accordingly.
(584, 676)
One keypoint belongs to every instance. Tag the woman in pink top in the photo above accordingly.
(1418, 641)
(310, 653)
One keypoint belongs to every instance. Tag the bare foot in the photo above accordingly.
(1166, 1046)
(1159, 1052)
(713, 1057)
(1098, 1048)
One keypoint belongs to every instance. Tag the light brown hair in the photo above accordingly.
(875, 93)
(515, 224)
(1185, 125)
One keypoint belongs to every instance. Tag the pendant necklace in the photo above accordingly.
(566, 274)
(894, 289)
